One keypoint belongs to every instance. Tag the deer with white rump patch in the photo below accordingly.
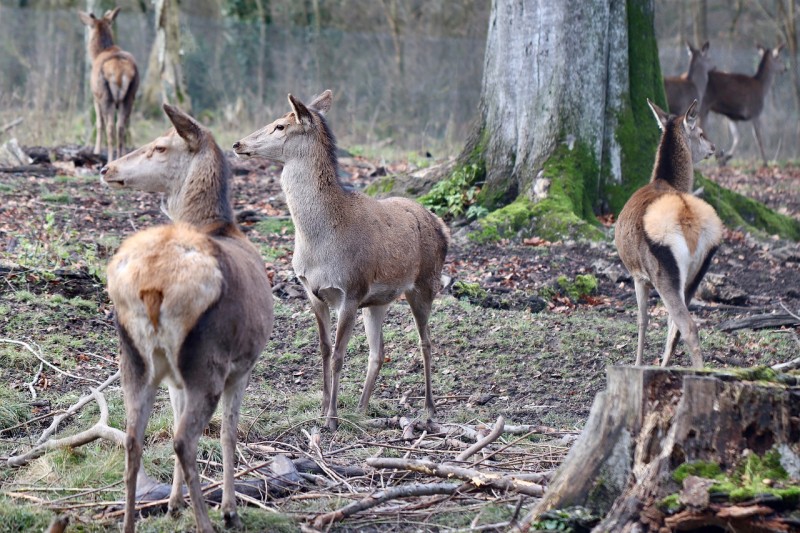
(666, 237)
(351, 251)
(193, 307)
(114, 81)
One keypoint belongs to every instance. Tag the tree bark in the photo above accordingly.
(650, 421)
(563, 115)
(164, 80)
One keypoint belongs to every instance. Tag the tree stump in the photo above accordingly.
(651, 421)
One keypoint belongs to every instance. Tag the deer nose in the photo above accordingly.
(237, 145)
(104, 170)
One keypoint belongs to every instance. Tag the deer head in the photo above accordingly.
(282, 139)
(691, 132)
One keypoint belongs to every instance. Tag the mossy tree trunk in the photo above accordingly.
(563, 119)
(164, 81)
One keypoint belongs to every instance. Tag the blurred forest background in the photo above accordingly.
(406, 74)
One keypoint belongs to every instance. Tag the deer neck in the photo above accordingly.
(203, 197)
(765, 73)
(100, 40)
(674, 159)
(314, 195)
(698, 75)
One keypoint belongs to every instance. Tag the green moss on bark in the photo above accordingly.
(738, 211)
(637, 132)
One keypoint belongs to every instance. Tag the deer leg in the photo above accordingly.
(109, 120)
(734, 130)
(373, 325)
(344, 329)
(99, 126)
(200, 405)
(231, 404)
(642, 294)
(673, 336)
(177, 399)
(757, 131)
(420, 303)
(323, 315)
(679, 313)
(123, 119)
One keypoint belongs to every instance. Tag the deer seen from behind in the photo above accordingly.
(740, 97)
(691, 85)
(114, 82)
(193, 307)
(351, 251)
(665, 236)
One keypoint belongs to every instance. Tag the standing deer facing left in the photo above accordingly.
(193, 307)
(114, 82)
(666, 237)
(351, 251)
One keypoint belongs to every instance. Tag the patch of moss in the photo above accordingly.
(637, 132)
(463, 289)
(754, 476)
(671, 503)
(583, 285)
(736, 210)
(758, 373)
(457, 196)
(383, 185)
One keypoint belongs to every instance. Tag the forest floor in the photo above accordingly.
(528, 347)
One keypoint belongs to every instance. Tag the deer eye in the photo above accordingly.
(161, 149)
(279, 127)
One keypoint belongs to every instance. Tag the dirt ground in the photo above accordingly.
(523, 351)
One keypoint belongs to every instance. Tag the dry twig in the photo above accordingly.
(497, 430)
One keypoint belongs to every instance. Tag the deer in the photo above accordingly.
(114, 81)
(351, 251)
(193, 307)
(740, 97)
(666, 236)
(691, 85)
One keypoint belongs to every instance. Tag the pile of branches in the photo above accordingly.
(398, 471)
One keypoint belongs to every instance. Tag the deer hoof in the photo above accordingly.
(332, 424)
(232, 520)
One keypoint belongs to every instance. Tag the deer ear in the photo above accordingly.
(777, 51)
(87, 18)
(301, 112)
(111, 14)
(660, 115)
(690, 118)
(189, 130)
(689, 49)
(705, 48)
(322, 103)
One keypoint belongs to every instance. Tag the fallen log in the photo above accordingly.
(767, 320)
(651, 422)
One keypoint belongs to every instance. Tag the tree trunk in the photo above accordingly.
(164, 81)
(652, 423)
(563, 115)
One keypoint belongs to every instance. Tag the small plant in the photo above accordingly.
(471, 291)
(457, 196)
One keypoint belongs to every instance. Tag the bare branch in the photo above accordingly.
(377, 498)
(32, 382)
(476, 477)
(497, 430)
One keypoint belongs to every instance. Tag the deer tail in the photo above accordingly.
(152, 299)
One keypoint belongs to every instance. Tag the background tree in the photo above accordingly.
(564, 128)
(164, 80)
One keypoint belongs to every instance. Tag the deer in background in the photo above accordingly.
(114, 81)
(351, 251)
(193, 307)
(691, 85)
(665, 236)
(740, 97)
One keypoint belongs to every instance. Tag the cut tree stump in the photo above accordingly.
(650, 421)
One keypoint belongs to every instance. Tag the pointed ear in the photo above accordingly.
(777, 51)
(660, 115)
(111, 14)
(87, 18)
(185, 125)
(689, 48)
(705, 48)
(301, 112)
(690, 118)
(322, 103)
(761, 49)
